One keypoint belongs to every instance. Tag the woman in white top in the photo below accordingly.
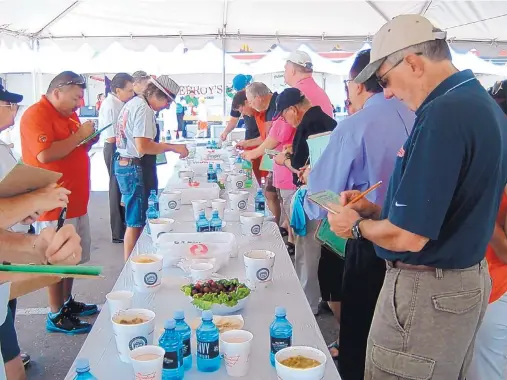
(122, 90)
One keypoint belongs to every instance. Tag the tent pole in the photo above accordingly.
(35, 51)
(224, 92)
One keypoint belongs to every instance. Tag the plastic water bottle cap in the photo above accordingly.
(179, 314)
(207, 315)
(215, 212)
(170, 324)
(82, 365)
(280, 311)
(153, 192)
(202, 213)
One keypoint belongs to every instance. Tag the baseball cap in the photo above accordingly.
(9, 97)
(400, 33)
(301, 58)
(166, 85)
(287, 98)
(240, 81)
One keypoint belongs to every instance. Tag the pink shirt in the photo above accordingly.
(315, 94)
(284, 133)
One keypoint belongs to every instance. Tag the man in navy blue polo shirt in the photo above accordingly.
(439, 211)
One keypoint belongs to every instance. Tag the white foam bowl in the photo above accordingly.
(160, 226)
(287, 373)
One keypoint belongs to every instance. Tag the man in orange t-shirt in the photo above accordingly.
(50, 136)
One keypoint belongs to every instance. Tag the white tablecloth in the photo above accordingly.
(100, 346)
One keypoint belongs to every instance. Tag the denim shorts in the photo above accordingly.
(8, 337)
(131, 184)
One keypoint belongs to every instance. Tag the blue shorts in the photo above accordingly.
(8, 336)
(131, 184)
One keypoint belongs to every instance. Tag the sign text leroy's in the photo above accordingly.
(202, 90)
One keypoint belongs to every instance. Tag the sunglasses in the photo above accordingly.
(496, 88)
(13, 106)
(383, 80)
(73, 82)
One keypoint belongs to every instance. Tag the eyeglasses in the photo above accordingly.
(73, 82)
(13, 106)
(382, 81)
(497, 87)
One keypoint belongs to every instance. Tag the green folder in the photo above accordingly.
(328, 238)
(266, 163)
(52, 269)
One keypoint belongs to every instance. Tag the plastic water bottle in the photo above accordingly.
(170, 341)
(208, 349)
(247, 169)
(215, 223)
(185, 333)
(83, 370)
(218, 170)
(280, 332)
(168, 135)
(153, 210)
(260, 202)
(202, 223)
(212, 174)
(238, 165)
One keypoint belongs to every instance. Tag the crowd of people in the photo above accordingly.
(420, 291)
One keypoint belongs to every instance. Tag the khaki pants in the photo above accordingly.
(425, 323)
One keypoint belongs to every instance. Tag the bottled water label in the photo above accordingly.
(208, 350)
(260, 206)
(278, 344)
(187, 349)
(171, 360)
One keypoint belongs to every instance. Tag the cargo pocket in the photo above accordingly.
(457, 302)
(400, 364)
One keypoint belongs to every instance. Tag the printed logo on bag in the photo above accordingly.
(263, 274)
(199, 249)
(147, 376)
(256, 229)
(137, 342)
(242, 205)
(172, 205)
(239, 184)
(150, 279)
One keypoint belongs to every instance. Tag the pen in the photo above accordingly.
(364, 193)
(61, 219)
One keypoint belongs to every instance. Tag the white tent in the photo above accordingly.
(259, 23)
(274, 61)
(321, 64)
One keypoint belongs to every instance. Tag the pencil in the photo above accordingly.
(364, 193)
(75, 122)
(61, 219)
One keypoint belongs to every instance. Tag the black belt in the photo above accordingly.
(129, 160)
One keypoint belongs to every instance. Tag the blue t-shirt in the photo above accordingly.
(449, 175)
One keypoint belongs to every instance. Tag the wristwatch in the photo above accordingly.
(356, 231)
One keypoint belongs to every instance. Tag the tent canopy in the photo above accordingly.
(258, 23)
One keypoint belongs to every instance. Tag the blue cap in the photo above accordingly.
(280, 311)
(240, 81)
(170, 324)
(9, 97)
(82, 365)
(207, 315)
(179, 314)
(287, 98)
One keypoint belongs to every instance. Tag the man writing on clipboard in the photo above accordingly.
(51, 134)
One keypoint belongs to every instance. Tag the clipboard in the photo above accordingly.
(266, 163)
(94, 134)
(161, 159)
(24, 178)
(326, 237)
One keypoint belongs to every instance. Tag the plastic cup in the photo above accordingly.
(238, 181)
(238, 200)
(131, 336)
(119, 300)
(173, 199)
(251, 223)
(259, 266)
(201, 271)
(235, 346)
(198, 206)
(147, 270)
(160, 226)
(147, 362)
(219, 205)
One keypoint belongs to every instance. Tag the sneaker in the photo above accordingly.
(80, 309)
(25, 358)
(66, 323)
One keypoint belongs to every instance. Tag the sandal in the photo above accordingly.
(291, 248)
(334, 346)
(284, 232)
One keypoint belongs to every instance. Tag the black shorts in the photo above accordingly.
(8, 337)
(330, 275)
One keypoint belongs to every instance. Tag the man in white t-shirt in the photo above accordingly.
(122, 90)
(136, 132)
